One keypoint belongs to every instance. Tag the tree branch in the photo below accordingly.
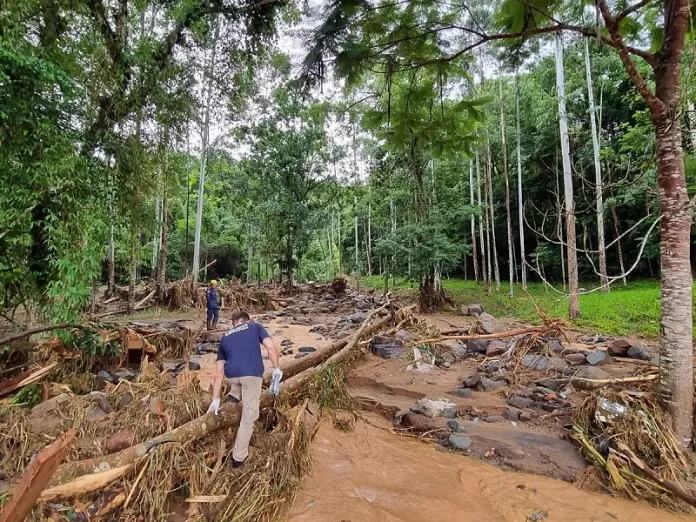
(632, 9)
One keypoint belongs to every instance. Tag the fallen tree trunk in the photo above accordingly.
(595, 384)
(27, 333)
(472, 337)
(229, 413)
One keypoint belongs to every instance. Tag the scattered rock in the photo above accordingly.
(476, 346)
(94, 413)
(403, 335)
(206, 348)
(542, 362)
(358, 317)
(638, 352)
(552, 384)
(465, 310)
(300, 355)
(488, 385)
(472, 380)
(511, 415)
(575, 358)
(591, 372)
(307, 349)
(124, 400)
(432, 407)
(459, 441)
(619, 348)
(525, 416)
(388, 351)
(286, 342)
(556, 345)
(536, 516)
(492, 418)
(510, 453)
(487, 324)
(124, 374)
(99, 398)
(536, 396)
(448, 357)
(464, 393)
(475, 308)
(156, 406)
(520, 402)
(460, 353)
(122, 440)
(194, 366)
(449, 413)
(101, 379)
(449, 346)
(495, 348)
(48, 406)
(598, 357)
(455, 426)
(599, 338)
(170, 366)
(416, 421)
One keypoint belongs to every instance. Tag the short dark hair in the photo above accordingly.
(240, 315)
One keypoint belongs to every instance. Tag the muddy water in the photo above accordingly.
(373, 475)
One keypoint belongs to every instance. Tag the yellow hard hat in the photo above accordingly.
(213, 282)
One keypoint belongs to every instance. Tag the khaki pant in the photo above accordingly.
(247, 390)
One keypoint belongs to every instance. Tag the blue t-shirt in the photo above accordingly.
(211, 298)
(240, 349)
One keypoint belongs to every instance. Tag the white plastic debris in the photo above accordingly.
(609, 410)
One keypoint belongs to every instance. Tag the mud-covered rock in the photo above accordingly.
(543, 363)
(463, 393)
(476, 346)
(121, 440)
(591, 372)
(417, 422)
(511, 415)
(575, 358)
(619, 347)
(459, 441)
(489, 385)
(520, 402)
(495, 348)
(472, 380)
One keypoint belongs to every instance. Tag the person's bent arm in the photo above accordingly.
(272, 352)
(219, 376)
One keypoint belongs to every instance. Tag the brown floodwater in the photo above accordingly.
(370, 474)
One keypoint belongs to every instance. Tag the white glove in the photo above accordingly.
(214, 406)
(276, 376)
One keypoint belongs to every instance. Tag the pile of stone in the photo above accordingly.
(537, 398)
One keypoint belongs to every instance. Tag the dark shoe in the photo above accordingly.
(232, 399)
(237, 464)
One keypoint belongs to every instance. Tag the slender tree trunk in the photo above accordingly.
(617, 231)
(573, 302)
(111, 261)
(559, 224)
(133, 271)
(473, 223)
(156, 238)
(250, 253)
(604, 280)
(520, 200)
(162, 266)
(340, 244)
(508, 217)
(482, 237)
(494, 244)
(357, 252)
(369, 230)
(690, 116)
(204, 157)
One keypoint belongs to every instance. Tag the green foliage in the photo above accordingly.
(28, 397)
(90, 343)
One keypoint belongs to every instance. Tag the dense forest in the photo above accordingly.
(504, 142)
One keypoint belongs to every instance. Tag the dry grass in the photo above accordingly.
(646, 430)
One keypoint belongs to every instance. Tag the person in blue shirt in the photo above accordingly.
(239, 360)
(212, 305)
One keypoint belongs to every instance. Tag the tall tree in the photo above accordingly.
(508, 217)
(520, 198)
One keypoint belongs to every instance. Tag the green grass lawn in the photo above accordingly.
(634, 309)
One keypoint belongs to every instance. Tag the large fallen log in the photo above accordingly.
(471, 337)
(27, 333)
(229, 413)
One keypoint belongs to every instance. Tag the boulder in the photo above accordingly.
(543, 363)
(465, 310)
(455, 426)
(619, 347)
(448, 357)
(520, 402)
(122, 440)
(591, 372)
(94, 413)
(476, 346)
(489, 385)
(556, 345)
(449, 346)
(50, 405)
(638, 352)
(525, 416)
(460, 353)
(449, 413)
(511, 415)
(358, 317)
(487, 324)
(472, 380)
(125, 374)
(101, 379)
(388, 351)
(403, 335)
(432, 407)
(464, 393)
(475, 308)
(495, 348)
(459, 441)
(575, 358)
(417, 422)
(598, 358)
(492, 418)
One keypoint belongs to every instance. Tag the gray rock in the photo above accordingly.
(472, 380)
(492, 418)
(388, 351)
(556, 345)
(537, 516)
(476, 346)
(455, 426)
(459, 441)
(520, 402)
(307, 349)
(464, 393)
(449, 346)
(598, 357)
(599, 338)
(638, 352)
(124, 400)
(194, 366)
(358, 317)
(448, 357)
(460, 353)
(511, 415)
(49, 405)
(170, 366)
(101, 379)
(446, 365)
(300, 355)
(449, 413)
(485, 316)
(542, 362)
(403, 335)
(525, 416)
(489, 327)
(124, 374)
(591, 372)
(489, 385)
(575, 358)
(475, 308)
(510, 453)
(495, 348)
(552, 384)
(286, 342)
(94, 413)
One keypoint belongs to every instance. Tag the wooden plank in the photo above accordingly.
(36, 478)
(26, 378)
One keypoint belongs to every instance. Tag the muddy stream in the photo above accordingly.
(370, 474)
